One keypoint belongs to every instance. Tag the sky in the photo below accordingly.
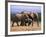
(19, 8)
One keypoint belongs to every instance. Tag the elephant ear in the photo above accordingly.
(36, 14)
(32, 15)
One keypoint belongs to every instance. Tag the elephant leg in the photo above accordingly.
(32, 23)
(25, 24)
(38, 23)
(21, 23)
(12, 24)
(29, 24)
(17, 24)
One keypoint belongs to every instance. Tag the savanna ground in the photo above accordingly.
(26, 28)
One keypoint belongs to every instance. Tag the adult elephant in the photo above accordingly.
(18, 18)
(27, 19)
(34, 17)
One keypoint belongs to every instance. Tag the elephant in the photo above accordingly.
(25, 18)
(34, 17)
(17, 18)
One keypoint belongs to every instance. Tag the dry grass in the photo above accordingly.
(26, 28)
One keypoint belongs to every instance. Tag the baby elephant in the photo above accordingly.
(29, 21)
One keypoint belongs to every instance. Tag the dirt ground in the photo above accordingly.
(26, 28)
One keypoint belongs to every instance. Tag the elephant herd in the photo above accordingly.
(25, 18)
